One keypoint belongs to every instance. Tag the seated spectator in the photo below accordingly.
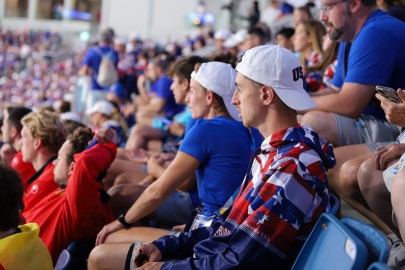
(284, 38)
(307, 42)
(78, 209)
(266, 222)
(103, 114)
(256, 36)
(207, 151)
(370, 53)
(142, 135)
(302, 14)
(11, 130)
(346, 114)
(41, 137)
(20, 246)
(161, 102)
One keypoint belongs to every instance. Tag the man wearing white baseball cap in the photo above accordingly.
(285, 189)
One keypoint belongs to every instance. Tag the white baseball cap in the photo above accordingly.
(219, 77)
(101, 106)
(222, 34)
(275, 66)
(72, 116)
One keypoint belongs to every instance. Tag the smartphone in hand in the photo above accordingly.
(388, 93)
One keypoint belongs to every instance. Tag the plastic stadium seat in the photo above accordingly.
(379, 266)
(331, 245)
(376, 242)
(64, 260)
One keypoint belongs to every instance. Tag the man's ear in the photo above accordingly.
(354, 6)
(266, 94)
(210, 97)
(185, 84)
(71, 167)
(37, 143)
(13, 132)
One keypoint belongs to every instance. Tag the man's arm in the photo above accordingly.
(155, 105)
(182, 167)
(350, 101)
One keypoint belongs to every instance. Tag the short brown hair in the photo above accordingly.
(47, 126)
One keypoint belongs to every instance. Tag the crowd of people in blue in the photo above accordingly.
(219, 153)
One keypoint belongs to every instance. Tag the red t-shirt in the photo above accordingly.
(77, 211)
(24, 169)
(40, 188)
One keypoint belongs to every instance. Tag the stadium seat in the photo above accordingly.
(376, 242)
(333, 246)
(64, 260)
(379, 266)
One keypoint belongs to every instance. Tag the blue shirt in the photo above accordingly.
(377, 56)
(161, 88)
(93, 60)
(222, 145)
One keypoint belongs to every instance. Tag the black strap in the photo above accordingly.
(345, 63)
(40, 171)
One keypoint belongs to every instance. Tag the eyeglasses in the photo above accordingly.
(327, 7)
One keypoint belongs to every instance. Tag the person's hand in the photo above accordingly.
(176, 129)
(138, 155)
(106, 135)
(128, 109)
(387, 154)
(7, 152)
(145, 254)
(394, 112)
(107, 230)
(154, 165)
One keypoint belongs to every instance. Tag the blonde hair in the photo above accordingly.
(47, 127)
(316, 31)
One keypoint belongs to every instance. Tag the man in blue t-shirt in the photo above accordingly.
(347, 113)
(161, 101)
(371, 53)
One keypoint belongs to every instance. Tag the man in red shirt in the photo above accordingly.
(41, 137)
(10, 150)
(79, 208)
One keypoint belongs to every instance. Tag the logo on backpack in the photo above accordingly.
(107, 73)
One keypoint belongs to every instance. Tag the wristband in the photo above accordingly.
(121, 219)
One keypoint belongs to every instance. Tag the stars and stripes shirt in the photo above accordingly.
(285, 193)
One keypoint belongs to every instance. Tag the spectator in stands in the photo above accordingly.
(307, 41)
(161, 102)
(11, 131)
(375, 197)
(41, 137)
(140, 135)
(104, 114)
(256, 36)
(207, 150)
(91, 65)
(261, 228)
(394, 8)
(302, 14)
(79, 208)
(284, 38)
(20, 246)
(346, 114)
